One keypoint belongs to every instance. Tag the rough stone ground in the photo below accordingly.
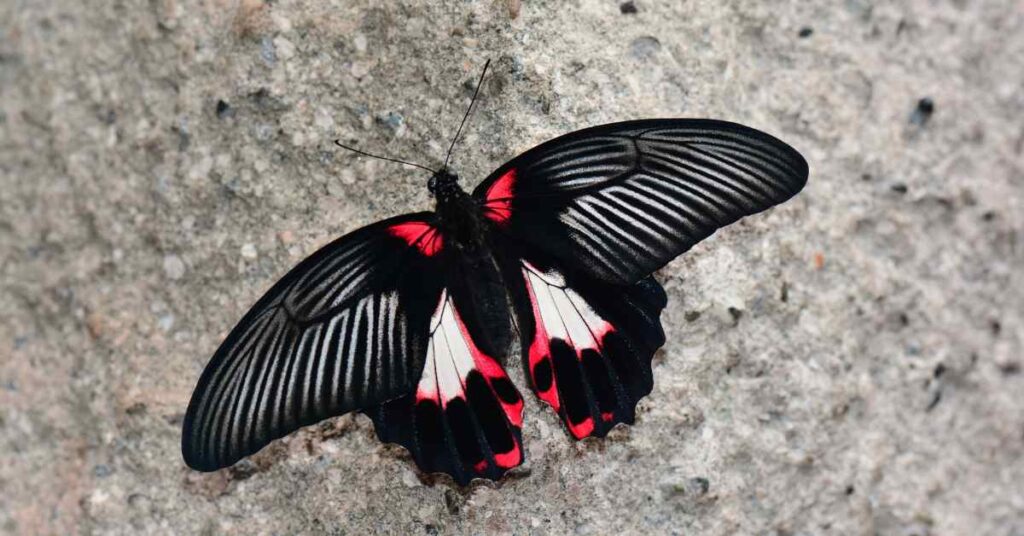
(849, 363)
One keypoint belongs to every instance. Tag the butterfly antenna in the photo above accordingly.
(364, 153)
(468, 111)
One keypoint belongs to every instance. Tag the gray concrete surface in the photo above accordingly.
(849, 363)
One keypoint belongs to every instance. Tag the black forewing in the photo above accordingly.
(345, 329)
(621, 200)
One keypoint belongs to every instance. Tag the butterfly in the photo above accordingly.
(409, 320)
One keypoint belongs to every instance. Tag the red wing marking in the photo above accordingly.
(498, 203)
(420, 235)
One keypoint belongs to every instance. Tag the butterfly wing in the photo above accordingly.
(587, 344)
(619, 201)
(589, 216)
(346, 329)
(465, 416)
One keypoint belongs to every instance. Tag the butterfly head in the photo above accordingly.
(444, 185)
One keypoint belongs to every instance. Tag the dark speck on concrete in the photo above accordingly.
(698, 485)
(224, 110)
(940, 369)
(261, 96)
(936, 398)
(453, 502)
(136, 409)
(806, 32)
(243, 470)
(923, 112)
(899, 188)
(736, 315)
(628, 8)
(1010, 369)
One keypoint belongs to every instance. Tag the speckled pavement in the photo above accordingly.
(847, 363)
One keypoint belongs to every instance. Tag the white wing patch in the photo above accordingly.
(449, 356)
(563, 313)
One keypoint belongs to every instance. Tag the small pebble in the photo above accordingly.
(644, 47)
(409, 479)
(698, 486)
(285, 48)
(95, 323)
(392, 120)
(263, 132)
(249, 251)
(267, 51)
(360, 69)
(174, 267)
(360, 43)
(628, 8)
(166, 322)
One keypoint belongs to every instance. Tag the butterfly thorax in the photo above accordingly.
(459, 215)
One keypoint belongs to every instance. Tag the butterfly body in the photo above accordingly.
(410, 320)
(472, 273)
(459, 217)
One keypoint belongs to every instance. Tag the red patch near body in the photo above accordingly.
(420, 235)
(498, 206)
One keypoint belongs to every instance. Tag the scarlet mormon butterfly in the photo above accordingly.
(410, 319)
